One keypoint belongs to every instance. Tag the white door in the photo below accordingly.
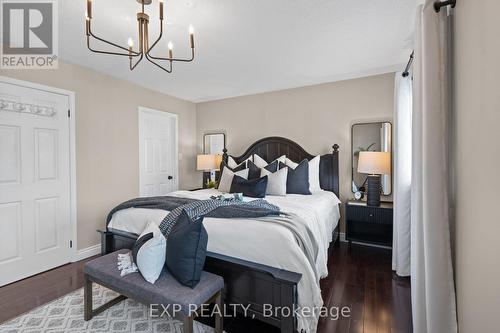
(158, 153)
(35, 224)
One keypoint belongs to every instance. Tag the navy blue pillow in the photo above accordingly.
(187, 250)
(254, 170)
(254, 188)
(297, 181)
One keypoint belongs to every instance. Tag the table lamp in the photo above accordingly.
(207, 164)
(374, 163)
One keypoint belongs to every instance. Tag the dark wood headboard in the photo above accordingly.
(273, 147)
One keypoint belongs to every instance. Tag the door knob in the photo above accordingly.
(170, 177)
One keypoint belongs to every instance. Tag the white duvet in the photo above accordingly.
(257, 241)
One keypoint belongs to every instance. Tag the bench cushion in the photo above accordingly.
(166, 290)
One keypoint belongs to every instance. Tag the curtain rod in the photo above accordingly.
(407, 69)
(438, 4)
(437, 7)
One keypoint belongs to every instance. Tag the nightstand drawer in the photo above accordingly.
(369, 214)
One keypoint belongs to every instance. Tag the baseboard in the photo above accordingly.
(87, 252)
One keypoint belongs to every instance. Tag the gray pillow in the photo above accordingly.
(276, 184)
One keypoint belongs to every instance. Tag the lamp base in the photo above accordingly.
(206, 178)
(373, 191)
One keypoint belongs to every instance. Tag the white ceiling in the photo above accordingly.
(248, 46)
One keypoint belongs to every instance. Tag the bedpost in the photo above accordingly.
(335, 169)
(224, 160)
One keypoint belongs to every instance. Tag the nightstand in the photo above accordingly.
(369, 224)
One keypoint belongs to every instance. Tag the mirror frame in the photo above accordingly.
(212, 133)
(392, 151)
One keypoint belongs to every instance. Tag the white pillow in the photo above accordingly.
(281, 159)
(314, 185)
(259, 161)
(276, 181)
(227, 178)
(232, 163)
(290, 163)
(149, 252)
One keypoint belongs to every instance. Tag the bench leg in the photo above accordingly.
(87, 299)
(88, 312)
(188, 325)
(219, 319)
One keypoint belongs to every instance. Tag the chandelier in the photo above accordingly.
(144, 49)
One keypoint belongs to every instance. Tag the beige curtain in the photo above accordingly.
(432, 285)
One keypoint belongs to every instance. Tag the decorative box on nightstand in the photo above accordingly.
(369, 224)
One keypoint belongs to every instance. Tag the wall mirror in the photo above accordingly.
(376, 136)
(214, 143)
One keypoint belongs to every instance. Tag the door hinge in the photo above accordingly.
(71, 244)
(69, 113)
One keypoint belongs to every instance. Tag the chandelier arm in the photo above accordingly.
(174, 59)
(90, 33)
(133, 66)
(158, 65)
(158, 39)
(108, 52)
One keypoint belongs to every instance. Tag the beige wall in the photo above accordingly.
(316, 117)
(107, 160)
(477, 249)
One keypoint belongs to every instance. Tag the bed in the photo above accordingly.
(265, 266)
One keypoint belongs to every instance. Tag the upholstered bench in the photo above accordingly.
(166, 291)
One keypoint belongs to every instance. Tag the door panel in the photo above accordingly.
(46, 154)
(10, 163)
(46, 224)
(35, 225)
(158, 163)
(10, 215)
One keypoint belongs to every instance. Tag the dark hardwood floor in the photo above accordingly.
(360, 278)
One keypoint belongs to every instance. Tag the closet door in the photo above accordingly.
(35, 226)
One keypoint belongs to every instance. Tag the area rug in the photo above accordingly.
(66, 315)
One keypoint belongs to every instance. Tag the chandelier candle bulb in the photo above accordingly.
(191, 36)
(170, 50)
(87, 24)
(89, 9)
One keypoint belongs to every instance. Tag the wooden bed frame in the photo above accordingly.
(247, 282)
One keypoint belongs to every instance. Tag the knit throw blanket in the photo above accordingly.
(196, 209)
(208, 208)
